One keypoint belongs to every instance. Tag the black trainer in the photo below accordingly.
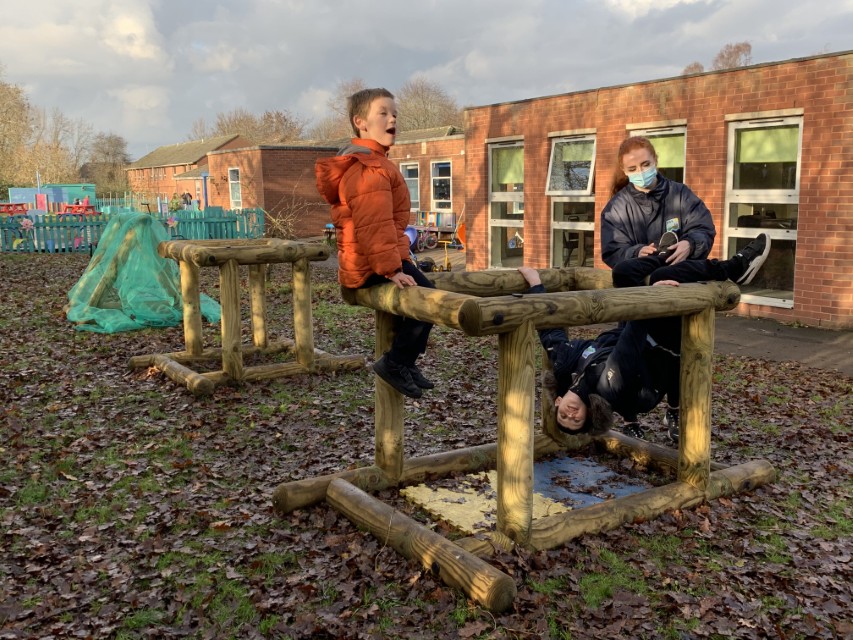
(419, 379)
(634, 430)
(670, 420)
(398, 376)
(753, 255)
(667, 240)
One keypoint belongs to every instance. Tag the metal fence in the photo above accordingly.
(52, 233)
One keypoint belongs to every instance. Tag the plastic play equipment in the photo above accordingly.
(485, 303)
(227, 256)
(127, 285)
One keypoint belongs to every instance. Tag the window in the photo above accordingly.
(506, 205)
(669, 143)
(763, 195)
(441, 193)
(572, 165)
(410, 174)
(235, 193)
(570, 179)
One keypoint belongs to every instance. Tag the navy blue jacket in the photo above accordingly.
(633, 219)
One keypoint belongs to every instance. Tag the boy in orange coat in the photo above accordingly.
(370, 211)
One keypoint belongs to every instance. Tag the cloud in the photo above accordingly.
(639, 8)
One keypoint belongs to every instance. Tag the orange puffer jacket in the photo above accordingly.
(370, 210)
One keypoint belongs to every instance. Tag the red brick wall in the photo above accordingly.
(279, 180)
(425, 152)
(819, 87)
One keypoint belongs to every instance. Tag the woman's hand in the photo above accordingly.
(678, 252)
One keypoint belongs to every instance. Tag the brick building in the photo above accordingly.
(177, 168)
(767, 147)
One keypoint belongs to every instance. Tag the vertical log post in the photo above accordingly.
(694, 443)
(389, 402)
(516, 386)
(258, 305)
(303, 332)
(191, 294)
(229, 300)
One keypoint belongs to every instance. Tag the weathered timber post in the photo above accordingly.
(302, 318)
(229, 297)
(516, 392)
(388, 413)
(191, 294)
(258, 305)
(697, 370)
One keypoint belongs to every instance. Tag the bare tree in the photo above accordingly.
(108, 159)
(15, 116)
(269, 127)
(199, 130)
(732, 55)
(693, 67)
(423, 104)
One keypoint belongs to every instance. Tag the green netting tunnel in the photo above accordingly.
(127, 285)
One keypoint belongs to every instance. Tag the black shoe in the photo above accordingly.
(667, 241)
(398, 376)
(753, 256)
(419, 379)
(671, 421)
(634, 430)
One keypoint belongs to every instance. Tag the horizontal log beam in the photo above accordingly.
(554, 531)
(498, 282)
(501, 314)
(483, 583)
(209, 253)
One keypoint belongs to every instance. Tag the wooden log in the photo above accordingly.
(516, 381)
(501, 314)
(195, 382)
(299, 494)
(212, 353)
(210, 253)
(388, 406)
(487, 545)
(486, 316)
(229, 300)
(481, 582)
(498, 282)
(697, 370)
(310, 491)
(258, 304)
(645, 453)
(303, 330)
(191, 296)
(421, 303)
(553, 531)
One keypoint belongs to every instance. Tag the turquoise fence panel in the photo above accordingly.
(54, 233)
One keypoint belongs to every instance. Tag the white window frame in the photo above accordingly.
(652, 132)
(437, 205)
(415, 203)
(515, 197)
(780, 196)
(571, 138)
(234, 185)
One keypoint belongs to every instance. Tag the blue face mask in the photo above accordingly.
(644, 179)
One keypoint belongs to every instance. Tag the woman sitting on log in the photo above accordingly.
(631, 368)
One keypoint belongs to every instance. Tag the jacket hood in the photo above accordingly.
(330, 171)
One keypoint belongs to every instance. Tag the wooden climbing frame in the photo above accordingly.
(228, 255)
(485, 303)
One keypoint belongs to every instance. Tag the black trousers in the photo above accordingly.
(410, 336)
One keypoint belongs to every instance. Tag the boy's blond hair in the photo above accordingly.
(358, 104)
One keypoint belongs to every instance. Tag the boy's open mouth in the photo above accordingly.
(392, 131)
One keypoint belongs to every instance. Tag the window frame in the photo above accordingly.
(414, 202)
(515, 198)
(435, 204)
(771, 196)
(231, 184)
(580, 137)
(652, 132)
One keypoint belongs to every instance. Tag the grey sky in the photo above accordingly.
(147, 69)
